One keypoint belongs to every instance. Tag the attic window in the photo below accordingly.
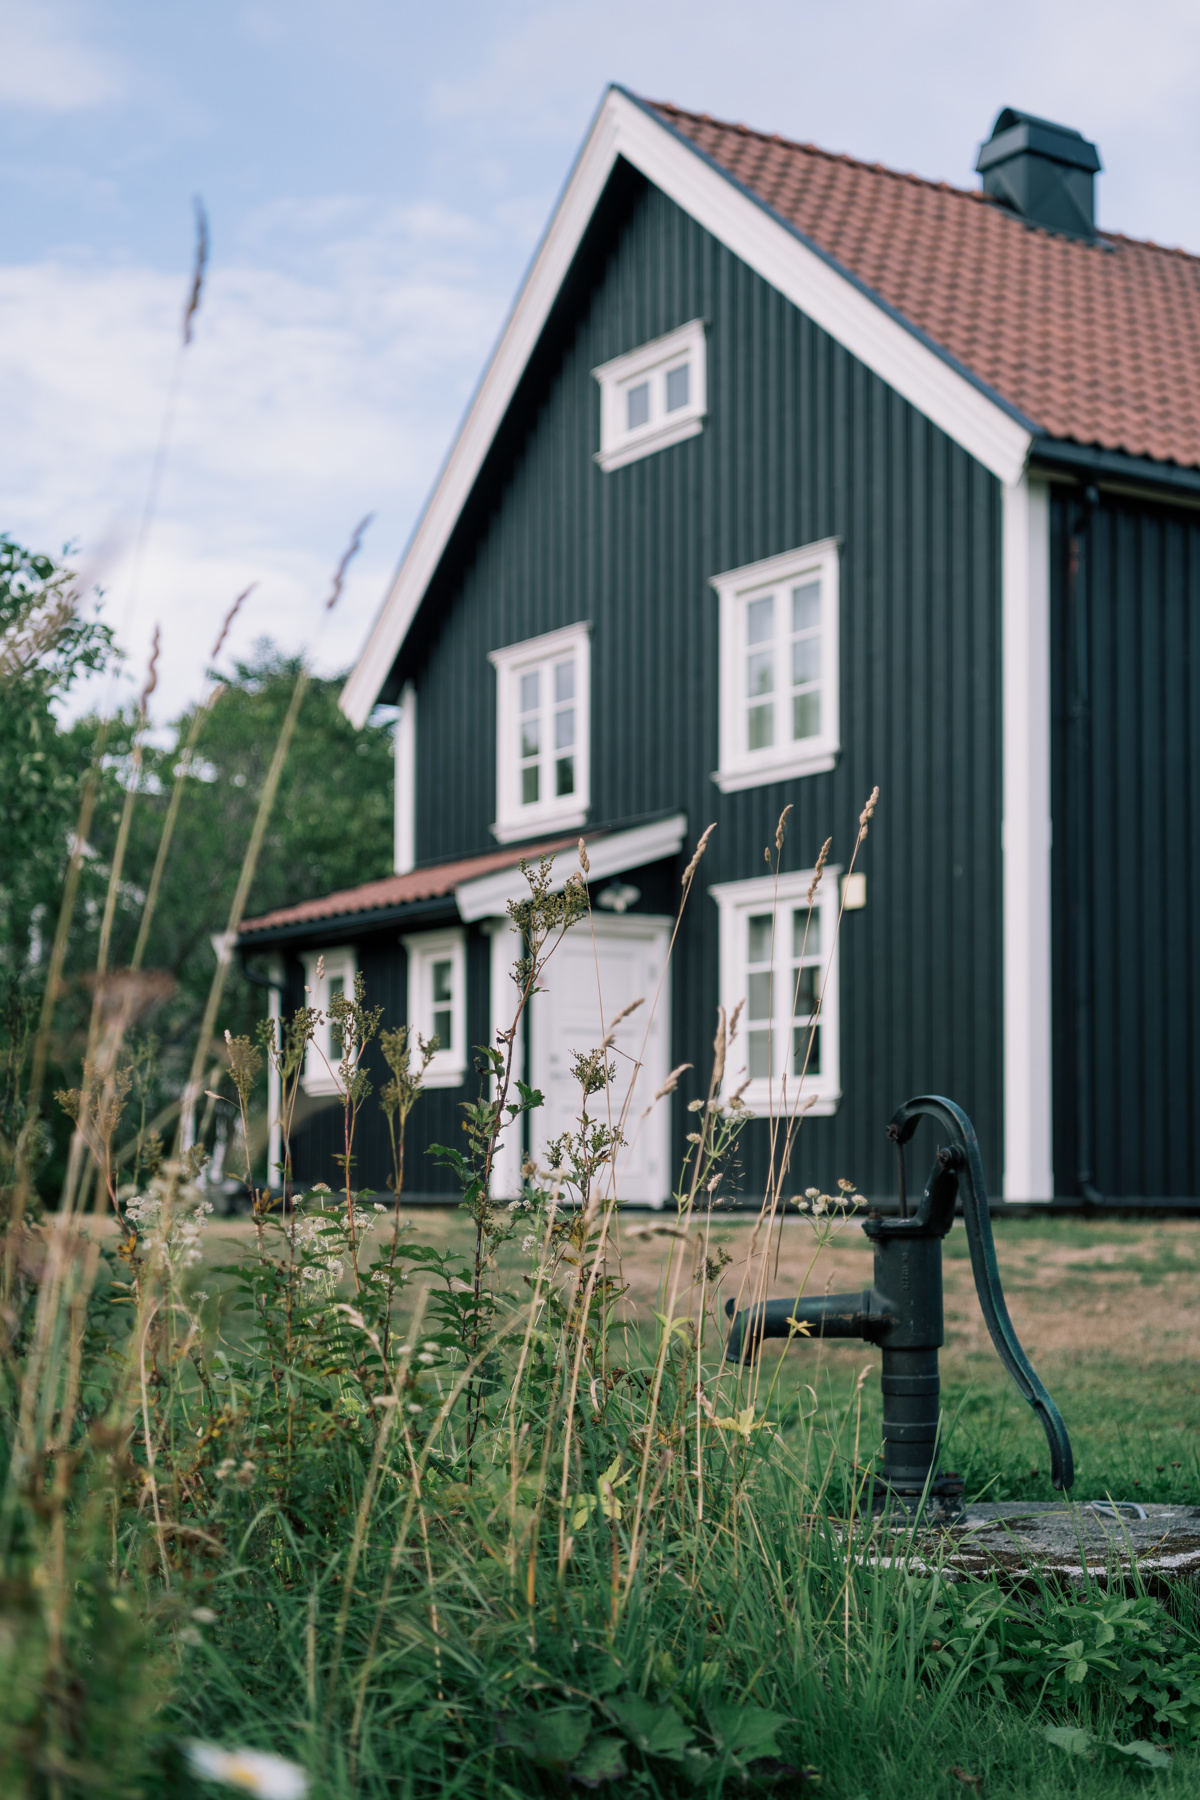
(652, 397)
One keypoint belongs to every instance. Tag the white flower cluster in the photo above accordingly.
(180, 1245)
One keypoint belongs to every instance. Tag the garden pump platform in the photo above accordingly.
(902, 1313)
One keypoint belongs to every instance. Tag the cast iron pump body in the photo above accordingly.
(902, 1312)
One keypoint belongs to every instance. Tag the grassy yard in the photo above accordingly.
(1108, 1311)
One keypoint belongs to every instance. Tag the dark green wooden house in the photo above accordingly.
(789, 476)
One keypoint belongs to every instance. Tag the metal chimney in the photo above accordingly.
(1044, 172)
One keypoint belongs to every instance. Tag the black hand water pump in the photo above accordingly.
(902, 1312)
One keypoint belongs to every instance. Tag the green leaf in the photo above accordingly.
(1071, 1738)
(1152, 1756)
(553, 1738)
(1076, 1669)
(602, 1760)
(747, 1731)
(655, 1730)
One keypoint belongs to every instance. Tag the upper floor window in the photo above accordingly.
(326, 973)
(778, 962)
(779, 667)
(542, 733)
(653, 396)
(437, 1001)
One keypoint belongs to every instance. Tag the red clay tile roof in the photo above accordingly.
(1099, 342)
(398, 890)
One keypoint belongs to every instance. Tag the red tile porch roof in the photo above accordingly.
(1099, 343)
(398, 890)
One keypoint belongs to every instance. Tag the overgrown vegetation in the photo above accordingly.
(424, 1529)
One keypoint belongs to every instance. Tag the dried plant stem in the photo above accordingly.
(236, 910)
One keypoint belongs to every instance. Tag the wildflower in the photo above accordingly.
(404, 1350)
(430, 1344)
(426, 1356)
(253, 1771)
(414, 1406)
(528, 1242)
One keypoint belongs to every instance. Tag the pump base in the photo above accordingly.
(939, 1504)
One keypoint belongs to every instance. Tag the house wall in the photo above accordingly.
(1125, 674)
(801, 443)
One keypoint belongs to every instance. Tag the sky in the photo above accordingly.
(376, 176)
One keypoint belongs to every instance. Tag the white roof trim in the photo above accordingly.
(488, 896)
(839, 305)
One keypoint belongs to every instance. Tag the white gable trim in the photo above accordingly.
(488, 896)
(838, 304)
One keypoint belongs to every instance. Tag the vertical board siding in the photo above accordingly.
(801, 442)
(1140, 608)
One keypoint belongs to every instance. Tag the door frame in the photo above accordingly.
(657, 928)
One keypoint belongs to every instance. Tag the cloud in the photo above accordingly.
(48, 65)
(326, 378)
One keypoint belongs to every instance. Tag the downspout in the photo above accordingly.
(1079, 714)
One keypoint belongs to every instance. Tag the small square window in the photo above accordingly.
(652, 397)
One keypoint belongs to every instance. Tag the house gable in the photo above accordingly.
(628, 131)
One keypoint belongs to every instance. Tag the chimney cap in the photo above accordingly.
(1015, 132)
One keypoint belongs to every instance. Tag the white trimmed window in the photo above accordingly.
(326, 973)
(437, 1001)
(653, 396)
(542, 733)
(779, 668)
(779, 962)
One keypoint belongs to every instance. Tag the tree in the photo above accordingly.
(46, 646)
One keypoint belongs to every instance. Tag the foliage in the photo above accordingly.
(1122, 1659)
(47, 646)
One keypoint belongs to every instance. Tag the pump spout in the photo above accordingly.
(866, 1314)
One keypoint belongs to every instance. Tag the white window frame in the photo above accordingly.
(447, 1067)
(320, 1062)
(514, 820)
(651, 363)
(781, 1095)
(741, 767)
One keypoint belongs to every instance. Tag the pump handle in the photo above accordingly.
(960, 1160)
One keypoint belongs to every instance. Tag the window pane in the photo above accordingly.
(800, 1050)
(564, 681)
(529, 785)
(441, 980)
(564, 775)
(758, 1059)
(806, 606)
(637, 405)
(806, 660)
(806, 933)
(441, 1029)
(758, 995)
(760, 672)
(564, 728)
(529, 691)
(758, 941)
(531, 737)
(762, 727)
(805, 989)
(678, 385)
(760, 620)
(806, 715)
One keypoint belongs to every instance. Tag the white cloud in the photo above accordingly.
(48, 65)
(321, 385)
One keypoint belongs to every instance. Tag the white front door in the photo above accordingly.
(599, 968)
